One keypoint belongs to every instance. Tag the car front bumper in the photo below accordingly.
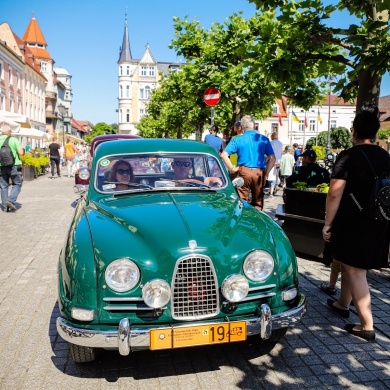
(127, 338)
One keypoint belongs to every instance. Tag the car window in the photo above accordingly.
(146, 172)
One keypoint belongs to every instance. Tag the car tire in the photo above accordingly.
(277, 335)
(82, 354)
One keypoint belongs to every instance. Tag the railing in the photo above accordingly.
(50, 95)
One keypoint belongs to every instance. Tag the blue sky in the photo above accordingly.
(84, 37)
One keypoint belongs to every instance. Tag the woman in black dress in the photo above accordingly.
(358, 242)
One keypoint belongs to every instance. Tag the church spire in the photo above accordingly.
(125, 54)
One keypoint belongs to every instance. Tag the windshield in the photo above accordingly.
(145, 172)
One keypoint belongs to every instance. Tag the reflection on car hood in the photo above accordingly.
(150, 224)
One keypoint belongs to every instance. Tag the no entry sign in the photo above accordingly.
(211, 96)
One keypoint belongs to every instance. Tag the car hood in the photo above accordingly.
(155, 228)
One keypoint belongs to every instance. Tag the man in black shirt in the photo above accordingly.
(54, 148)
(310, 172)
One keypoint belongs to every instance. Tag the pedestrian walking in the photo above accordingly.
(357, 241)
(255, 160)
(286, 166)
(70, 153)
(277, 146)
(55, 157)
(11, 170)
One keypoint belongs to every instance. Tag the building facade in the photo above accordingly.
(136, 80)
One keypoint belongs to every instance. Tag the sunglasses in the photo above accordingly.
(182, 163)
(124, 172)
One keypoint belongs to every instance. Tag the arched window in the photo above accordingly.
(141, 93)
(121, 91)
(127, 91)
(120, 70)
(128, 70)
(127, 115)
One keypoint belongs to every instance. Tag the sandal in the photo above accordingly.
(326, 289)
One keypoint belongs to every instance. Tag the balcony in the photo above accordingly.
(51, 114)
(51, 95)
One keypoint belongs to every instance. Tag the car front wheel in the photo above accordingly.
(82, 354)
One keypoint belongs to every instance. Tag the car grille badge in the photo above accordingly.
(192, 244)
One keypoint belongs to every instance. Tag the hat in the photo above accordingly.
(237, 123)
(310, 153)
(295, 145)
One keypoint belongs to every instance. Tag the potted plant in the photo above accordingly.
(32, 165)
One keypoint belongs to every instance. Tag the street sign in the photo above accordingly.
(211, 96)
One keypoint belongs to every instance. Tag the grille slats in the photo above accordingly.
(195, 289)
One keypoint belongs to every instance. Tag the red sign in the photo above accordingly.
(211, 96)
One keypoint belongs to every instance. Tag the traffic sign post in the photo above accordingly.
(211, 97)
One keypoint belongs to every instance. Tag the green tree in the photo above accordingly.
(99, 129)
(295, 46)
(114, 127)
(340, 138)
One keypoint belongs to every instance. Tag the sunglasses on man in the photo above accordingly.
(124, 172)
(182, 163)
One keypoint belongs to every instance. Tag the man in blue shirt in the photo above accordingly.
(213, 140)
(255, 159)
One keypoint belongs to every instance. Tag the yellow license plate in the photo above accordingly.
(226, 332)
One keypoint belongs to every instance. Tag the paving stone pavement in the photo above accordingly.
(317, 353)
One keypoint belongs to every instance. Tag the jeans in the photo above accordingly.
(55, 163)
(15, 173)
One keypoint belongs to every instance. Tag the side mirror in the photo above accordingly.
(238, 182)
(80, 189)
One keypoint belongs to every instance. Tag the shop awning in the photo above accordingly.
(23, 120)
(18, 130)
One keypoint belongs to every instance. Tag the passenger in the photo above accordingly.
(121, 172)
(310, 172)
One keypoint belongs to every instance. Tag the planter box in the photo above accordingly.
(303, 216)
(28, 172)
(305, 203)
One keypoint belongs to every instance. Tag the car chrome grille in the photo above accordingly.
(194, 289)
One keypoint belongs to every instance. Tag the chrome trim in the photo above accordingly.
(138, 338)
(265, 322)
(123, 336)
(132, 308)
(261, 288)
(140, 299)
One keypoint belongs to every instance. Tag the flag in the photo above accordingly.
(319, 117)
(306, 124)
(294, 117)
(280, 120)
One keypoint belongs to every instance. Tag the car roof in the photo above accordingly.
(154, 145)
(110, 137)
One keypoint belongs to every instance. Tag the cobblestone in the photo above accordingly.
(316, 354)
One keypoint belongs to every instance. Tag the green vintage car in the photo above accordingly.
(163, 254)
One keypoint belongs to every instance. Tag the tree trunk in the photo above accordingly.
(369, 88)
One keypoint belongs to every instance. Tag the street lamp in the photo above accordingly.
(64, 112)
(330, 80)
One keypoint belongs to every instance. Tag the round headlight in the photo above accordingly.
(122, 275)
(258, 265)
(84, 173)
(235, 288)
(156, 293)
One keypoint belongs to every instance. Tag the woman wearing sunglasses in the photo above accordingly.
(121, 172)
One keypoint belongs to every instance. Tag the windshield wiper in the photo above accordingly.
(130, 184)
(188, 183)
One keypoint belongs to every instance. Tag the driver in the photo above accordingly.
(182, 166)
(121, 172)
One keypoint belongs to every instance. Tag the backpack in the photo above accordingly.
(6, 156)
(378, 206)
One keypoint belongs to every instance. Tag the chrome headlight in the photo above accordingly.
(156, 293)
(235, 288)
(258, 265)
(84, 173)
(122, 275)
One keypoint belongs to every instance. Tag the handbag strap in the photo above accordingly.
(369, 163)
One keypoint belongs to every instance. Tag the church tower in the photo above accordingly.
(126, 69)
